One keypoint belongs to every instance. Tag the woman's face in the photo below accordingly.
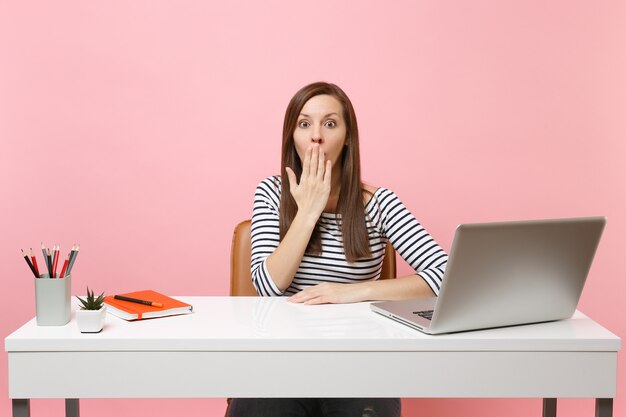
(321, 121)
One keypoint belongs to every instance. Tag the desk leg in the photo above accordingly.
(21, 407)
(604, 407)
(71, 407)
(549, 407)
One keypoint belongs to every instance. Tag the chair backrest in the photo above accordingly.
(240, 278)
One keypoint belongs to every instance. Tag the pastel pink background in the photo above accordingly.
(140, 130)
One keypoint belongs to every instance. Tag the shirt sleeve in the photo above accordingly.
(411, 240)
(265, 235)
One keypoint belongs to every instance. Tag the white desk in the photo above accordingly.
(245, 347)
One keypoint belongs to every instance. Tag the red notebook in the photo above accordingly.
(135, 311)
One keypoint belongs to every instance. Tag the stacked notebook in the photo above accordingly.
(135, 311)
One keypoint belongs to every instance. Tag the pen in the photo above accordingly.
(137, 300)
(32, 257)
(30, 264)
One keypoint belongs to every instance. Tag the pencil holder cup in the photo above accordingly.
(53, 299)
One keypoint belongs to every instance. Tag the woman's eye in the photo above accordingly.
(304, 124)
(330, 123)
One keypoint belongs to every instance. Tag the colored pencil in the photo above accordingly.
(30, 264)
(44, 250)
(67, 261)
(49, 263)
(32, 257)
(73, 256)
(55, 261)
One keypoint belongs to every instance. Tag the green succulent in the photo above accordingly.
(91, 303)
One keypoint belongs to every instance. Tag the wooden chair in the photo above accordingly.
(240, 254)
(240, 277)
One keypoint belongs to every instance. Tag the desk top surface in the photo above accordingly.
(274, 324)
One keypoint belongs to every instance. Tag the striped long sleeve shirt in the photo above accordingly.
(388, 222)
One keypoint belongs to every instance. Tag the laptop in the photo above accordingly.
(505, 274)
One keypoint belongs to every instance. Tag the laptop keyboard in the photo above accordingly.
(428, 314)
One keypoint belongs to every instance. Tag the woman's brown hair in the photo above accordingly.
(350, 205)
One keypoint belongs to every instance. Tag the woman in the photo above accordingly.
(318, 228)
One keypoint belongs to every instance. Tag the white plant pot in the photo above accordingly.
(90, 321)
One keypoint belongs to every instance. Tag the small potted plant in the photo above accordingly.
(90, 317)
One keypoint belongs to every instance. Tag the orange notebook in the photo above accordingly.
(135, 311)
